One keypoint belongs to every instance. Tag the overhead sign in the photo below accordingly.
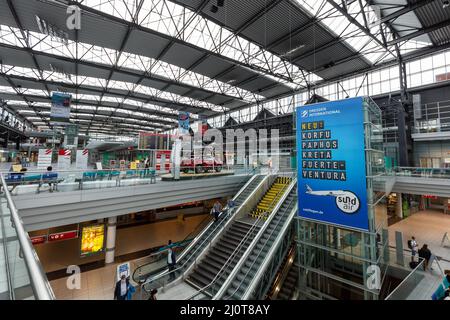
(64, 159)
(183, 121)
(38, 239)
(123, 269)
(82, 159)
(63, 236)
(332, 164)
(60, 111)
(44, 158)
(92, 239)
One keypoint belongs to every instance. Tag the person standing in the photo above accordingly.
(412, 244)
(217, 208)
(122, 290)
(153, 294)
(171, 261)
(425, 254)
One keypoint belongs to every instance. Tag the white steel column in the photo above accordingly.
(110, 240)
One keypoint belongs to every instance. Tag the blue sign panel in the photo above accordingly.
(331, 163)
(60, 111)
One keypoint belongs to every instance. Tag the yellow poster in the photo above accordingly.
(92, 239)
(17, 167)
(133, 165)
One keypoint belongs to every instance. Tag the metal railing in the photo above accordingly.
(72, 180)
(435, 173)
(161, 254)
(38, 280)
(215, 225)
(258, 237)
(239, 247)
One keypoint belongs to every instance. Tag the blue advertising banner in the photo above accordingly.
(331, 163)
(60, 111)
(183, 120)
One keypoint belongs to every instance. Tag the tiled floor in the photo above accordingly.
(427, 227)
(94, 285)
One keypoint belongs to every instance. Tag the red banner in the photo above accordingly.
(63, 236)
(38, 239)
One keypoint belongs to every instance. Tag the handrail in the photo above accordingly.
(239, 246)
(193, 243)
(406, 278)
(279, 239)
(256, 240)
(5, 251)
(38, 279)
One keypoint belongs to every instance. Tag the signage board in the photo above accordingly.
(123, 269)
(183, 121)
(92, 239)
(64, 159)
(44, 158)
(332, 164)
(38, 239)
(60, 110)
(66, 235)
(82, 159)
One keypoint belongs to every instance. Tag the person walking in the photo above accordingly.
(425, 254)
(153, 294)
(124, 290)
(217, 209)
(171, 261)
(412, 244)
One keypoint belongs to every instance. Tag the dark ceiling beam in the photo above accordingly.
(359, 25)
(25, 38)
(420, 32)
(123, 116)
(407, 8)
(116, 69)
(115, 92)
(128, 107)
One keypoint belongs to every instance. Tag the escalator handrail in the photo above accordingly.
(266, 260)
(245, 185)
(248, 251)
(193, 243)
(238, 247)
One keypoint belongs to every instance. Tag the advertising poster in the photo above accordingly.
(60, 110)
(44, 158)
(123, 269)
(183, 121)
(92, 239)
(331, 163)
(82, 159)
(64, 159)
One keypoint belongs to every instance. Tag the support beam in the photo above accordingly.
(420, 32)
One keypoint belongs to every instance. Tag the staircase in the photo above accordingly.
(290, 283)
(270, 199)
(210, 266)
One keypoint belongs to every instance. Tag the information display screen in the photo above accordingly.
(92, 239)
(331, 163)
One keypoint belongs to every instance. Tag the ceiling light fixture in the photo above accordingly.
(214, 9)
(220, 3)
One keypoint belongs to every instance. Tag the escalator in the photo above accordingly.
(217, 263)
(160, 277)
(287, 288)
(222, 255)
(254, 273)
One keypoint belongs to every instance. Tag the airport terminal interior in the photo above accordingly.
(225, 150)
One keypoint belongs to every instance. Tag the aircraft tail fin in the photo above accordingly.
(308, 188)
